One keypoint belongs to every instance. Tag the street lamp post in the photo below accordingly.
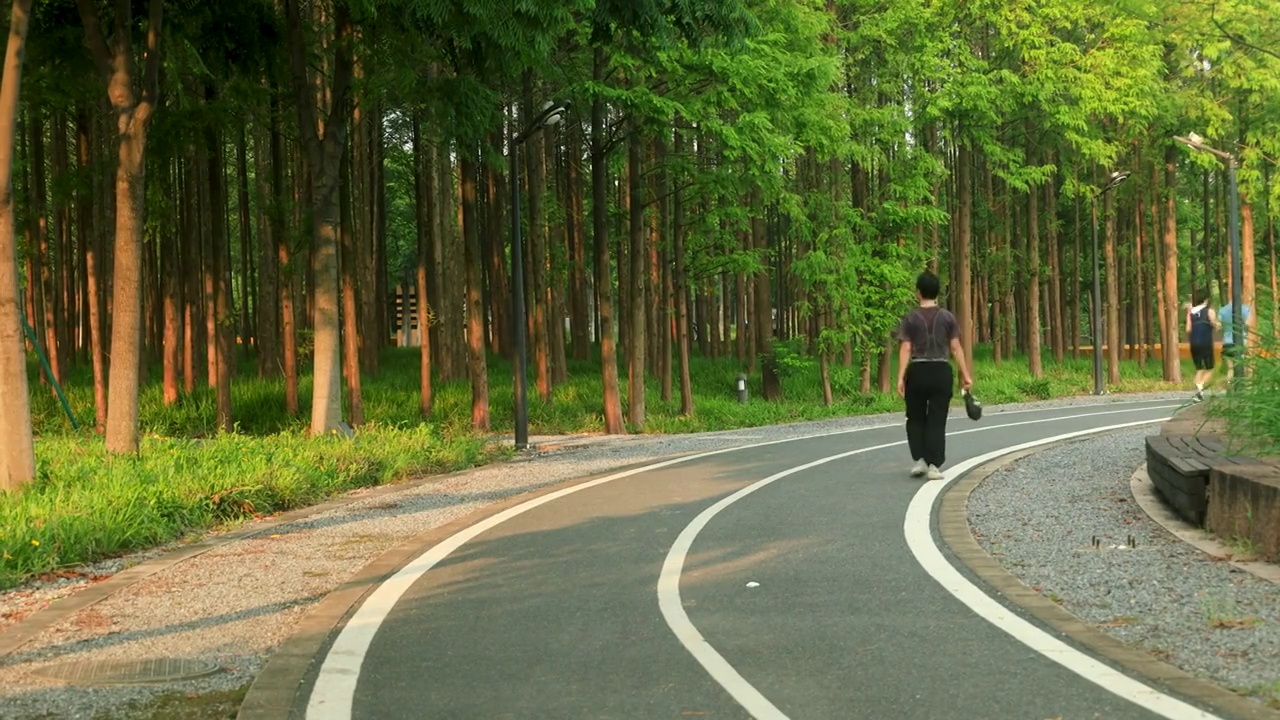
(1113, 180)
(1195, 142)
(550, 115)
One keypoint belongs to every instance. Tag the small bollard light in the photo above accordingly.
(742, 388)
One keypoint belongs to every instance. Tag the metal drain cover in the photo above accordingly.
(126, 672)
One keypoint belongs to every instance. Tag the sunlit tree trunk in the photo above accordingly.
(324, 134)
(133, 107)
(423, 193)
(611, 397)
(17, 450)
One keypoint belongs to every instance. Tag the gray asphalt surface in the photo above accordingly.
(554, 614)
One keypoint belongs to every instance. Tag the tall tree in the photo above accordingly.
(134, 105)
(323, 112)
(17, 451)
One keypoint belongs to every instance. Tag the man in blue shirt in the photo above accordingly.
(1229, 351)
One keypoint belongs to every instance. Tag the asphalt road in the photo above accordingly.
(555, 612)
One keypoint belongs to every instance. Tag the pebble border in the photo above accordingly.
(953, 527)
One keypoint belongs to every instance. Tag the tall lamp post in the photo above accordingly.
(1195, 142)
(1113, 180)
(552, 112)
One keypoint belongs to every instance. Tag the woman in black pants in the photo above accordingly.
(930, 337)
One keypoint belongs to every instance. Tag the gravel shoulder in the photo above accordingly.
(1039, 518)
(235, 604)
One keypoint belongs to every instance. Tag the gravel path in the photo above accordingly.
(235, 604)
(1039, 517)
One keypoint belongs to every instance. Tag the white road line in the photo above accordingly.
(334, 690)
(918, 530)
(672, 607)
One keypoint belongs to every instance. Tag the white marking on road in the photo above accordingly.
(669, 602)
(918, 529)
(334, 691)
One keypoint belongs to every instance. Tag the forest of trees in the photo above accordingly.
(188, 184)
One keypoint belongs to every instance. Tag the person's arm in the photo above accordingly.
(1188, 316)
(904, 359)
(1213, 319)
(957, 352)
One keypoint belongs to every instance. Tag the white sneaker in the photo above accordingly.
(935, 473)
(920, 468)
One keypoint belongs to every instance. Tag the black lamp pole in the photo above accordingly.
(550, 115)
(1115, 179)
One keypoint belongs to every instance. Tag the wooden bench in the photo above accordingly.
(1179, 467)
(1182, 458)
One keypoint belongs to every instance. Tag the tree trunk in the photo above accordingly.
(133, 107)
(638, 305)
(536, 176)
(477, 362)
(600, 229)
(348, 267)
(1172, 356)
(1248, 267)
(247, 335)
(772, 384)
(268, 305)
(1057, 335)
(963, 291)
(499, 293)
(325, 142)
(170, 281)
(556, 243)
(284, 263)
(221, 326)
(1113, 291)
(426, 230)
(580, 315)
(47, 319)
(681, 289)
(64, 293)
(17, 449)
(1033, 284)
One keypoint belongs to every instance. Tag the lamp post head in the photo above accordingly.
(553, 112)
(1115, 179)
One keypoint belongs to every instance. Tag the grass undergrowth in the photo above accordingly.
(1251, 406)
(87, 505)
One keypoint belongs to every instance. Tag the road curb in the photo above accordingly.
(953, 526)
(274, 691)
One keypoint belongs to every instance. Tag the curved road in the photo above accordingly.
(795, 579)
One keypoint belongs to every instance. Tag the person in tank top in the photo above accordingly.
(1201, 324)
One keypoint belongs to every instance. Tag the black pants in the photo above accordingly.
(929, 388)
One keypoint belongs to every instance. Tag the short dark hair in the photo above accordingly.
(928, 285)
(1200, 297)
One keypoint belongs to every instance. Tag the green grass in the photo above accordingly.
(188, 478)
(1251, 407)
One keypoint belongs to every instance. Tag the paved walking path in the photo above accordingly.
(758, 582)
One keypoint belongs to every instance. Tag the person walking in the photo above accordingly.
(1201, 322)
(930, 337)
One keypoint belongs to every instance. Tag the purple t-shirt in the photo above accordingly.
(930, 331)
